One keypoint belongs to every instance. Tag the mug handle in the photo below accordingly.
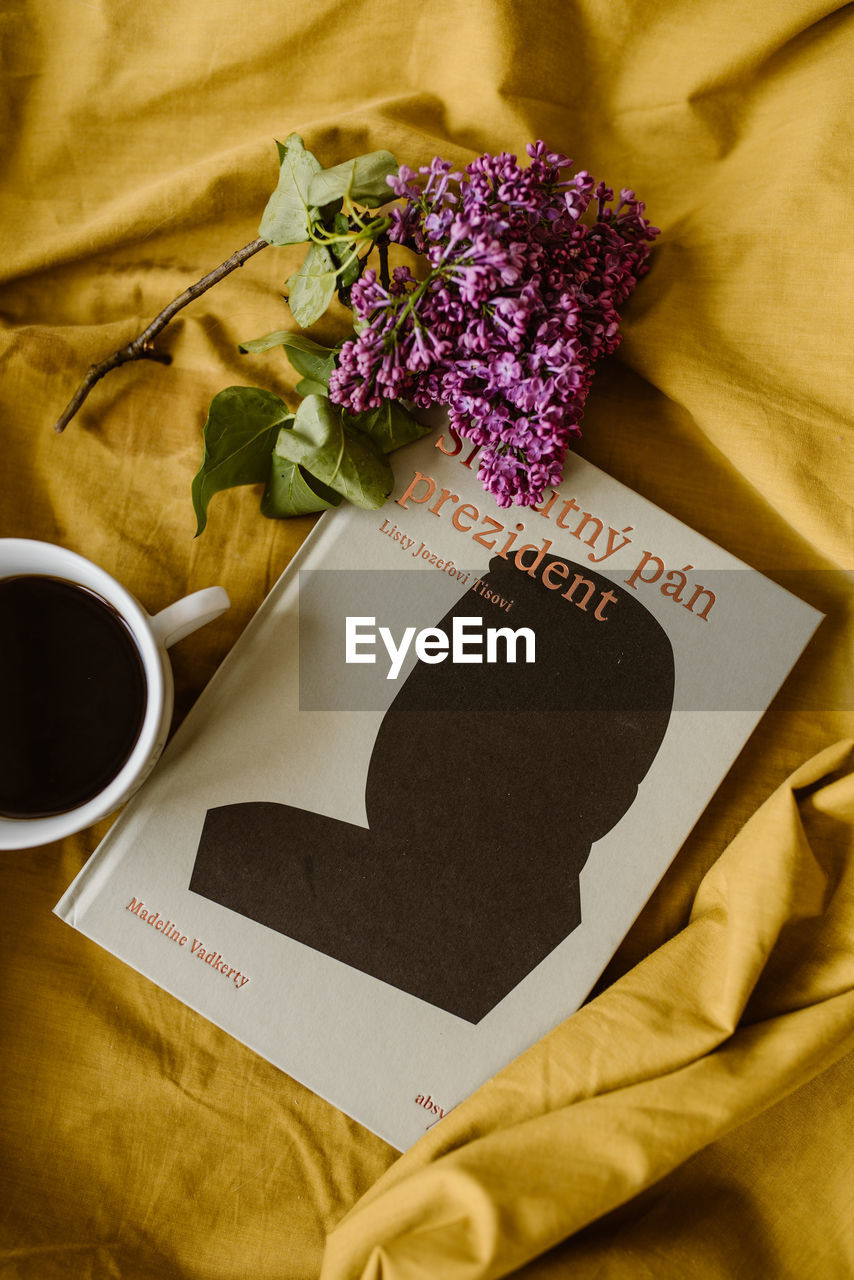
(177, 620)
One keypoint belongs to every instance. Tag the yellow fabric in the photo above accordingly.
(694, 1119)
(648, 1074)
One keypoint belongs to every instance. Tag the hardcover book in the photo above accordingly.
(414, 813)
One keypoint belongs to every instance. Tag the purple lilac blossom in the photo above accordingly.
(520, 299)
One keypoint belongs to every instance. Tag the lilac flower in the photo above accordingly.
(521, 296)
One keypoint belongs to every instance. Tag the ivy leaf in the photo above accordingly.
(308, 357)
(311, 288)
(362, 180)
(240, 434)
(291, 491)
(289, 212)
(391, 426)
(336, 455)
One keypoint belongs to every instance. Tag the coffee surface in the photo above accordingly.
(72, 695)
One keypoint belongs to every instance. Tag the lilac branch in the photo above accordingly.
(141, 347)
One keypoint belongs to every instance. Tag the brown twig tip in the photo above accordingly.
(141, 347)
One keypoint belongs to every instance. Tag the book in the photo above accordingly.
(413, 814)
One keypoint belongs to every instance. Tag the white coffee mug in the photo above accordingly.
(20, 557)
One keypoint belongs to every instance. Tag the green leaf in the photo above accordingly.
(311, 288)
(289, 212)
(391, 426)
(240, 434)
(329, 211)
(291, 491)
(362, 180)
(336, 455)
(257, 345)
(308, 387)
(308, 358)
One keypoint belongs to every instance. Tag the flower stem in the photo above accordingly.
(415, 295)
(367, 231)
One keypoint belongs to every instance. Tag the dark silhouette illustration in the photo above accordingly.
(487, 786)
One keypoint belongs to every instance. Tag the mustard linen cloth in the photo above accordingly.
(694, 1119)
(719, 1023)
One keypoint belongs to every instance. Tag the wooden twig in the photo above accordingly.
(140, 348)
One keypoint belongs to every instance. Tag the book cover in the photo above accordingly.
(414, 813)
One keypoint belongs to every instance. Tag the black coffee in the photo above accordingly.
(72, 695)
